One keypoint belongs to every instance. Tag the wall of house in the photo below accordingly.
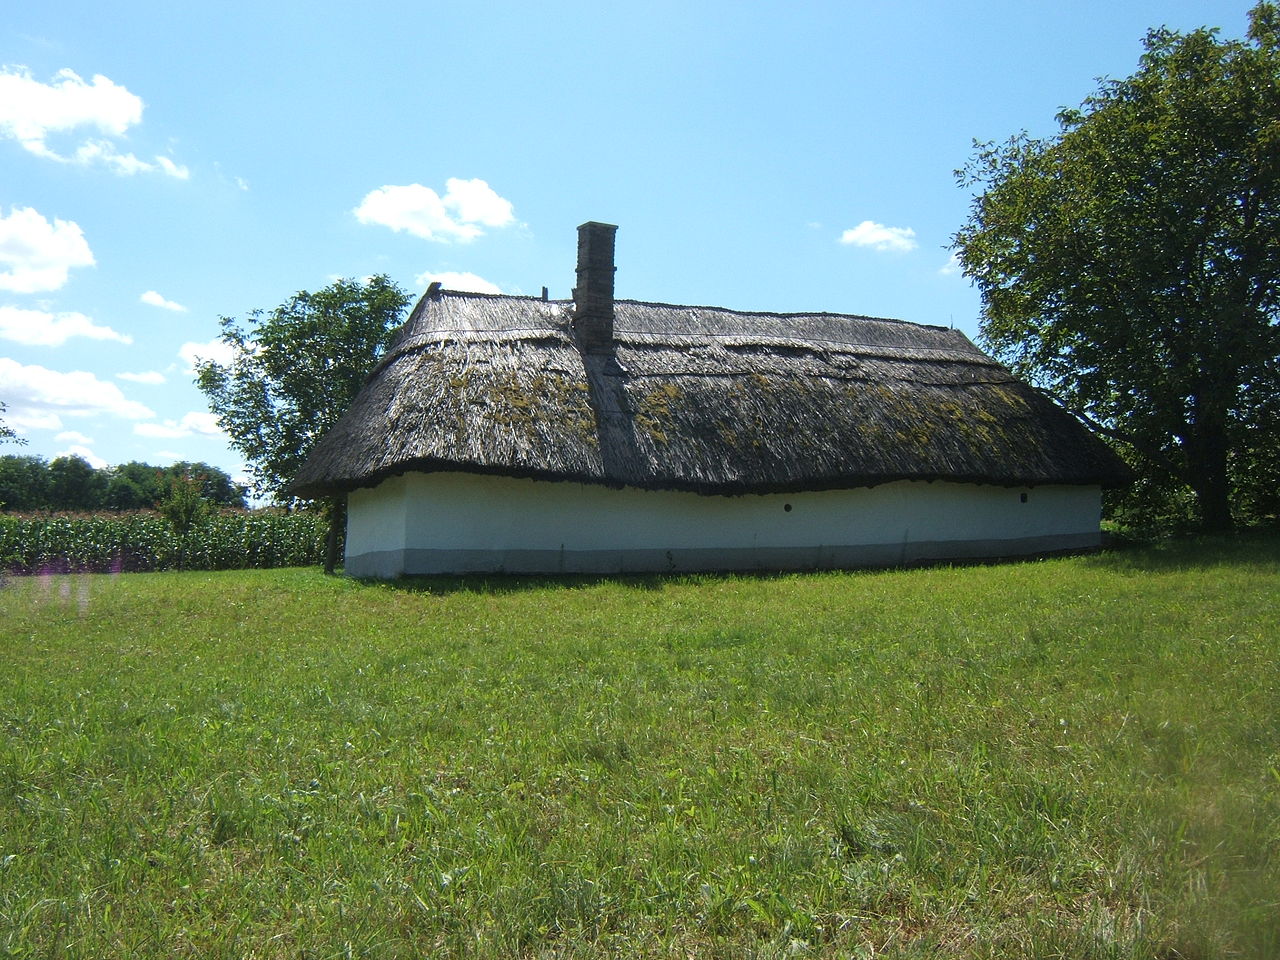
(467, 523)
(377, 524)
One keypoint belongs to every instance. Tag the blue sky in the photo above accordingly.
(164, 164)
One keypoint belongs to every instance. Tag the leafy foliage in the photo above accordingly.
(184, 506)
(1131, 264)
(24, 483)
(75, 485)
(296, 370)
(6, 432)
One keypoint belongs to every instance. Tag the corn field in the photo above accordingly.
(131, 542)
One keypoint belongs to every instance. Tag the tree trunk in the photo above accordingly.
(1208, 471)
(1213, 498)
(337, 517)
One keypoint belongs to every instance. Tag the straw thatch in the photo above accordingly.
(696, 398)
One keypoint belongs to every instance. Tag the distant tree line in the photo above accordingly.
(72, 483)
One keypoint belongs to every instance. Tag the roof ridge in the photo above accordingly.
(788, 314)
(778, 313)
(446, 292)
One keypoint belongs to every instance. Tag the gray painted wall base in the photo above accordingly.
(387, 564)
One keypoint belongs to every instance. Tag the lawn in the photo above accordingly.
(1075, 758)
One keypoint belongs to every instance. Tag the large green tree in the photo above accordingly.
(74, 484)
(1130, 265)
(24, 483)
(296, 369)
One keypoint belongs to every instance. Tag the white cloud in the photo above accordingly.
(37, 328)
(458, 281)
(31, 112)
(202, 422)
(195, 422)
(150, 377)
(879, 237)
(126, 164)
(466, 207)
(154, 299)
(952, 266)
(174, 170)
(84, 453)
(36, 254)
(104, 152)
(39, 398)
(214, 350)
(25, 420)
(167, 431)
(71, 436)
(474, 201)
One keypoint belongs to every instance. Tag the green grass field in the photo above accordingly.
(1075, 758)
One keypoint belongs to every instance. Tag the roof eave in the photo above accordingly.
(320, 489)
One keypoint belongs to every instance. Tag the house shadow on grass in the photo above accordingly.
(507, 583)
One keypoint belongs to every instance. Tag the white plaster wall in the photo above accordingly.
(497, 523)
(454, 510)
(376, 518)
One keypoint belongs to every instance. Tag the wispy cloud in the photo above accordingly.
(37, 255)
(32, 113)
(37, 328)
(877, 236)
(458, 281)
(176, 170)
(127, 164)
(195, 422)
(149, 377)
(466, 208)
(155, 300)
(952, 267)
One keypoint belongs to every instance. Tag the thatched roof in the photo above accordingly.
(695, 398)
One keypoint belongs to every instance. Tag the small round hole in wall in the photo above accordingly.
(786, 507)
(1023, 498)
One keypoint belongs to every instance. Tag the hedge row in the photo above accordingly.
(115, 543)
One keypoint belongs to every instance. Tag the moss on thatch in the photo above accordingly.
(696, 398)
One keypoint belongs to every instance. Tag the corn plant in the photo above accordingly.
(142, 541)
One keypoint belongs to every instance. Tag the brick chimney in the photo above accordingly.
(593, 296)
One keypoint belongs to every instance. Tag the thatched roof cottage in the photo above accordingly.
(521, 434)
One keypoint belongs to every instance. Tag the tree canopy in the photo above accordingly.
(1130, 265)
(75, 485)
(296, 369)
